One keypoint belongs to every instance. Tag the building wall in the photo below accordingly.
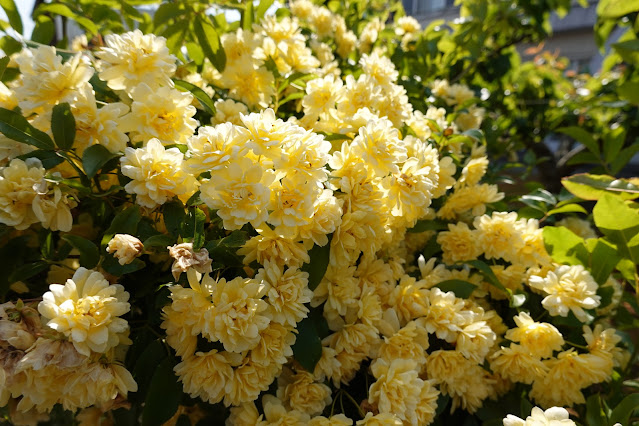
(573, 35)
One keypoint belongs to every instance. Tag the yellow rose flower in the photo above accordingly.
(86, 310)
(157, 174)
(133, 58)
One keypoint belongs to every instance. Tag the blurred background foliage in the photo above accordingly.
(592, 119)
(543, 122)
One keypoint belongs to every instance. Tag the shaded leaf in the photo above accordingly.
(205, 100)
(307, 349)
(160, 240)
(210, 42)
(581, 136)
(125, 222)
(174, 215)
(145, 366)
(622, 412)
(63, 10)
(462, 289)
(235, 239)
(28, 270)
(163, 398)
(13, 14)
(429, 225)
(113, 267)
(4, 61)
(89, 253)
(316, 268)
(49, 159)
(16, 127)
(94, 158)
(192, 228)
(489, 275)
(63, 126)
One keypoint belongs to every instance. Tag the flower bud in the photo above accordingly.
(125, 248)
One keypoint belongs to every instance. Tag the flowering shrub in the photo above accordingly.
(265, 229)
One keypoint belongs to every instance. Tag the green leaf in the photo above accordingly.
(489, 275)
(630, 92)
(43, 31)
(462, 289)
(174, 215)
(629, 51)
(316, 268)
(247, 16)
(195, 53)
(291, 97)
(166, 12)
(567, 208)
(9, 46)
(16, 127)
(603, 259)
(235, 239)
(205, 100)
(307, 349)
(582, 136)
(593, 187)
(192, 229)
(160, 240)
(428, 225)
(595, 415)
(47, 248)
(195, 199)
(89, 253)
(63, 10)
(476, 134)
(13, 14)
(4, 61)
(627, 269)
(616, 8)
(565, 246)
(94, 158)
(618, 220)
(210, 42)
(28, 270)
(612, 214)
(125, 222)
(49, 159)
(113, 267)
(149, 359)
(624, 157)
(623, 411)
(163, 398)
(261, 9)
(63, 126)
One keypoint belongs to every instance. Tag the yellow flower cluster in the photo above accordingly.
(74, 366)
(252, 319)
(27, 197)
(352, 174)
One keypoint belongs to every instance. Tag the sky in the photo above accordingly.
(25, 7)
